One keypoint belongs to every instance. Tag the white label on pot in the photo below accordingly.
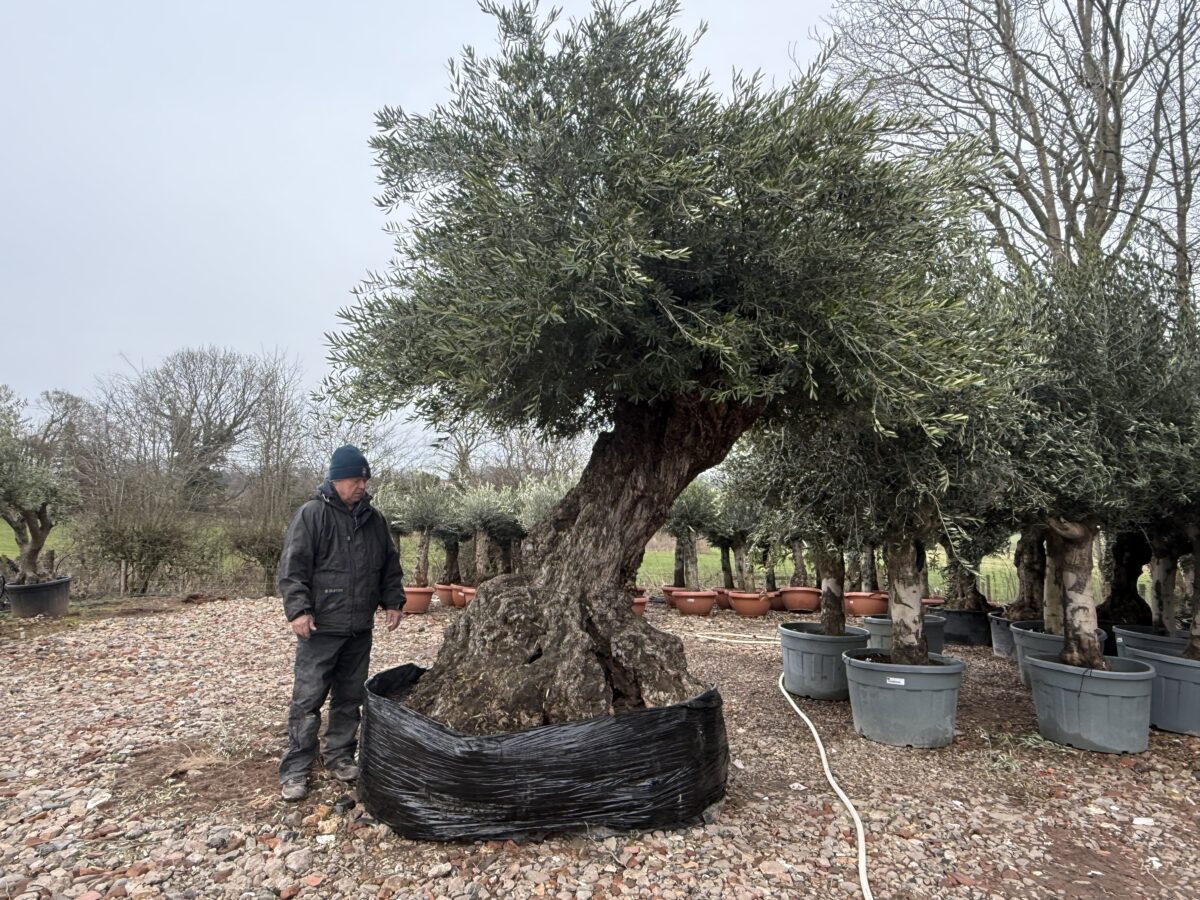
(899, 681)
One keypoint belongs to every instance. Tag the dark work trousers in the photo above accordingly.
(333, 665)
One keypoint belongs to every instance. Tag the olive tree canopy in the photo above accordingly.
(597, 238)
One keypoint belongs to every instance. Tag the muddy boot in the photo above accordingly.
(294, 789)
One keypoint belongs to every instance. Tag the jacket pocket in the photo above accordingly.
(331, 603)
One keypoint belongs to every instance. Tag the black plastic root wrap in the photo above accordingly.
(647, 768)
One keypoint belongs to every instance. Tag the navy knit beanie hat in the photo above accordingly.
(348, 462)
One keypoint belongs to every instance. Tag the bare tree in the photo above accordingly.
(1088, 106)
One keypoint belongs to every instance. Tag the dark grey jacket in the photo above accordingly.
(339, 565)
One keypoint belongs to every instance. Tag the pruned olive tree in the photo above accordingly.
(1115, 410)
(601, 240)
(37, 484)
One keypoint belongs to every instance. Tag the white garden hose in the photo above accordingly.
(858, 826)
(733, 637)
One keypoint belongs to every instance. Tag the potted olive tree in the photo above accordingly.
(1118, 442)
(35, 488)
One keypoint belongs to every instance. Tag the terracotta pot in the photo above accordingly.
(776, 598)
(669, 594)
(863, 603)
(418, 600)
(639, 606)
(722, 597)
(749, 605)
(695, 603)
(801, 599)
(468, 594)
(456, 596)
(928, 603)
(444, 593)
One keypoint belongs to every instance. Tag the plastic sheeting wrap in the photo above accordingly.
(647, 768)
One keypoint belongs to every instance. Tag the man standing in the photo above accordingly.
(339, 565)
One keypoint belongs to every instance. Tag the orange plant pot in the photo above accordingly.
(722, 597)
(456, 595)
(776, 600)
(749, 605)
(639, 606)
(695, 603)
(801, 599)
(444, 593)
(863, 603)
(418, 600)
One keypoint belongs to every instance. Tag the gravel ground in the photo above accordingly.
(139, 761)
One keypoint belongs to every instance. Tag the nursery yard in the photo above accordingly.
(140, 757)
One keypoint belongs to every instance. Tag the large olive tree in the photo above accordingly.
(599, 239)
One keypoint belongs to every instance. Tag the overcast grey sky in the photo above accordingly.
(177, 174)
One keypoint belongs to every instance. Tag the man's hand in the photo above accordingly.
(303, 626)
(393, 619)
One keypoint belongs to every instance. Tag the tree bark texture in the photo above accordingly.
(691, 571)
(906, 561)
(854, 575)
(1124, 605)
(562, 643)
(1192, 651)
(1069, 544)
(799, 569)
(1052, 598)
(421, 570)
(962, 584)
(1030, 561)
(726, 569)
(30, 528)
(741, 567)
(450, 571)
(870, 578)
(1164, 602)
(831, 564)
(769, 569)
(679, 576)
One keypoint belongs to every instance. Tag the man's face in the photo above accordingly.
(351, 490)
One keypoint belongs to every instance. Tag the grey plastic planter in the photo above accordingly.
(1030, 637)
(1175, 696)
(1144, 638)
(1002, 639)
(904, 706)
(967, 626)
(1091, 709)
(812, 660)
(880, 629)
(46, 598)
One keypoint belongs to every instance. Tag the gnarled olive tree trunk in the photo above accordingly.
(769, 568)
(1192, 651)
(1030, 560)
(1069, 551)
(962, 584)
(743, 574)
(1124, 606)
(828, 560)
(799, 569)
(905, 561)
(450, 570)
(854, 578)
(870, 578)
(421, 570)
(726, 568)
(562, 643)
(31, 528)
